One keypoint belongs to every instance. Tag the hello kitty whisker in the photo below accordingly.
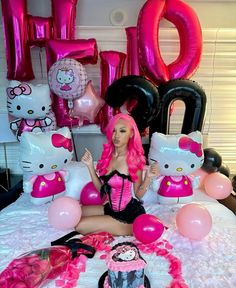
(26, 162)
(153, 160)
(9, 102)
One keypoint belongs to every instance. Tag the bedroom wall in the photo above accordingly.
(216, 73)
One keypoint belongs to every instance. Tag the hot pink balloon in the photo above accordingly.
(147, 228)
(218, 186)
(132, 51)
(201, 175)
(190, 35)
(112, 66)
(64, 213)
(88, 105)
(90, 195)
(193, 221)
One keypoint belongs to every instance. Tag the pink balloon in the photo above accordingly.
(64, 213)
(112, 66)
(218, 186)
(189, 29)
(201, 175)
(88, 105)
(132, 51)
(90, 195)
(147, 228)
(40, 30)
(193, 221)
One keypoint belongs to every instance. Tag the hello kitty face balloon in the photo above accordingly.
(30, 106)
(178, 156)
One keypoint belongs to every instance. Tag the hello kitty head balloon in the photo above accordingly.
(177, 156)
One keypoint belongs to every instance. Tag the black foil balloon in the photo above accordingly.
(224, 169)
(234, 183)
(212, 160)
(137, 89)
(194, 99)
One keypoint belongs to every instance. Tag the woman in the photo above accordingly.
(119, 173)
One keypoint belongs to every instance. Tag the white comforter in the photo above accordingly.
(207, 263)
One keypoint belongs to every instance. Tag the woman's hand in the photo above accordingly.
(87, 158)
(152, 170)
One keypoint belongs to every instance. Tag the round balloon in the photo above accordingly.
(64, 213)
(90, 195)
(147, 228)
(212, 160)
(193, 221)
(67, 78)
(224, 169)
(218, 186)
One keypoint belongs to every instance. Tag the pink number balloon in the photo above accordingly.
(217, 185)
(190, 35)
(193, 221)
(64, 213)
(90, 195)
(132, 51)
(147, 228)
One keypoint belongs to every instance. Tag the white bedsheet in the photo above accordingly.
(207, 263)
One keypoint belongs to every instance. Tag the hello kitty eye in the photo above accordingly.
(192, 166)
(18, 107)
(65, 161)
(41, 166)
(43, 108)
(166, 166)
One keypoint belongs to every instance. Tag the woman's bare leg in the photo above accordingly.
(93, 224)
(92, 210)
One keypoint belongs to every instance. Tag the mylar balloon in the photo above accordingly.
(212, 160)
(193, 221)
(139, 90)
(147, 228)
(64, 213)
(67, 78)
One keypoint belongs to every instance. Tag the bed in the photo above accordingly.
(179, 262)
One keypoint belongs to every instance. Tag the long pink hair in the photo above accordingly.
(135, 156)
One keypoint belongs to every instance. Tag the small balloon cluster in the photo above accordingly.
(214, 175)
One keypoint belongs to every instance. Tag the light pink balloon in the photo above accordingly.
(201, 175)
(64, 213)
(90, 195)
(218, 186)
(88, 105)
(193, 221)
(147, 228)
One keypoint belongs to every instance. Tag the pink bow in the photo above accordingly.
(59, 140)
(18, 90)
(188, 144)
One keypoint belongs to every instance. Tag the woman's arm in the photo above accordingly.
(140, 187)
(87, 159)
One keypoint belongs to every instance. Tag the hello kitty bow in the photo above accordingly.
(186, 143)
(23, 88)
(59, 140)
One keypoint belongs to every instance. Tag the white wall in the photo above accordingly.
(216, 73)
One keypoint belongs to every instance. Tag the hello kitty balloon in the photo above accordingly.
(44, 156)
(29, 104)
(178, 156)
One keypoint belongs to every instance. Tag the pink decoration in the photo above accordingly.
(59, 140)
(200, 174)
(112, 65)
(190, 35)
(84, 51)
(88, 105)
(132, 51)
(64, 213)
(217, 185)
(193, 221)
(188, 144)
(19, 27)
(90, 195)
(147, 228)
(67, 78)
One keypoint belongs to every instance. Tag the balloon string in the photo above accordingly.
(212, 81)
(40, 60)
(73, 142)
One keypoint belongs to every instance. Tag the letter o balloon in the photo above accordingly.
(190, 36)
